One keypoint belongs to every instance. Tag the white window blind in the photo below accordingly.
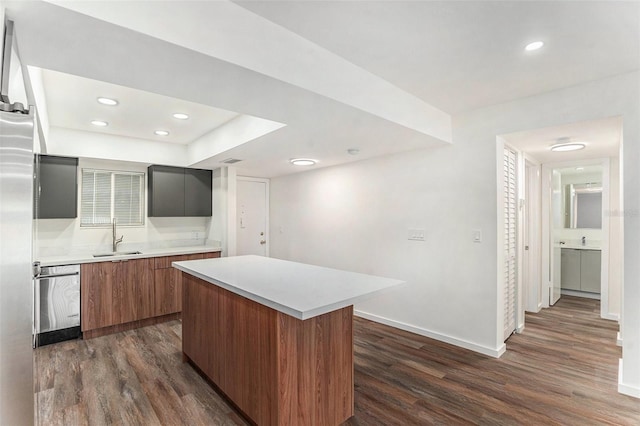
(112, 194)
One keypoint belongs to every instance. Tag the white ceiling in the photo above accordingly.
(602, 138)
(462, 55)
(381, 76)
(72, 103)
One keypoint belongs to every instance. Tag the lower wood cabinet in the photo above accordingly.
(116, 292)
(168, 282)
(120, 292)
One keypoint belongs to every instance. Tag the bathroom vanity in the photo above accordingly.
(580, 269)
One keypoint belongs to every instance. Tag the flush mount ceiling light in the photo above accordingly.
(302, 161)
(534, 46)
(161, 132)
(564, 147)
(180, 116)
(108, 101)
(99, 123)
(579, 169)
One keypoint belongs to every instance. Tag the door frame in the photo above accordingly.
(266, 209)
(547, 240)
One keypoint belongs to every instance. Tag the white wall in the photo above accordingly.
(75, 143)
(356, 217)
(64, 236)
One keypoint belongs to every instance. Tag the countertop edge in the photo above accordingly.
(79, 259)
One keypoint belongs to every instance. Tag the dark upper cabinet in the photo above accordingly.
(166, 191)
(197, 192)
(176, 191)
(55, 187)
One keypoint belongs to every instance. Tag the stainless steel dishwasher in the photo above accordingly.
(57, 303)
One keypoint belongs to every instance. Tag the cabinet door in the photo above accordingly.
(197, 192)
(165, 191)
(96, 295)
(133, 290)
(168, 284)
(570, 269)
(590, 271)
(56, 187)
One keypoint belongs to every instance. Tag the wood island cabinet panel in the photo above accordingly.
(276, 369)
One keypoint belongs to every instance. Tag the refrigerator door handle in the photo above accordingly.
(36, 311)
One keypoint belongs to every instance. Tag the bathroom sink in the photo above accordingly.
(123, 253)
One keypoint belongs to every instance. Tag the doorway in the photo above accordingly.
(252, 216)
(540, 281)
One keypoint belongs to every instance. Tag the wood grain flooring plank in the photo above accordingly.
(562, 370)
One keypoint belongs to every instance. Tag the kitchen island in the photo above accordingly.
(275, 337)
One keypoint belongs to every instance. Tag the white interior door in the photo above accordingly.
(532, 238)
(510, 240)
(252, 198)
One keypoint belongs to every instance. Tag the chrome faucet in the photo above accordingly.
(584, 240)
(115, 240)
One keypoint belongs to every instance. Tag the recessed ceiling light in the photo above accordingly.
(302, 161)
(99, 123)
(579, 169)
(353, 151)
(534, 46)
(108, 101)
(161, 132)
(180, 116)
(563, 147)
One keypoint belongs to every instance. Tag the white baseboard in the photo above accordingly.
(610, 316)
(619, 339)
(495, 353)
(633, 391)
(584, 294)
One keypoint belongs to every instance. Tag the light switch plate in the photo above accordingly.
(415, 234)
(477, 235)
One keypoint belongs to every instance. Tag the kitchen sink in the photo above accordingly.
(122, 253)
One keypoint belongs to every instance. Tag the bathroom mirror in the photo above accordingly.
(579, 197)
(583, 205)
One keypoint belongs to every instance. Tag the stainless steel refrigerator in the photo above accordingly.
(16, 289)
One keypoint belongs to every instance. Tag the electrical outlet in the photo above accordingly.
(415, 234)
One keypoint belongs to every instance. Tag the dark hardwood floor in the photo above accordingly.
(561, 370)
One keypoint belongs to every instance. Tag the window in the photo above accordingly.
(112, 194)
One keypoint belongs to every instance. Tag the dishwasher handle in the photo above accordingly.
(62, 274)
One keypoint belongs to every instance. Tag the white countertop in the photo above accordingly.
(155, 252)
(296, 289)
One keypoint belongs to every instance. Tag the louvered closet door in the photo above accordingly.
(510, 205)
